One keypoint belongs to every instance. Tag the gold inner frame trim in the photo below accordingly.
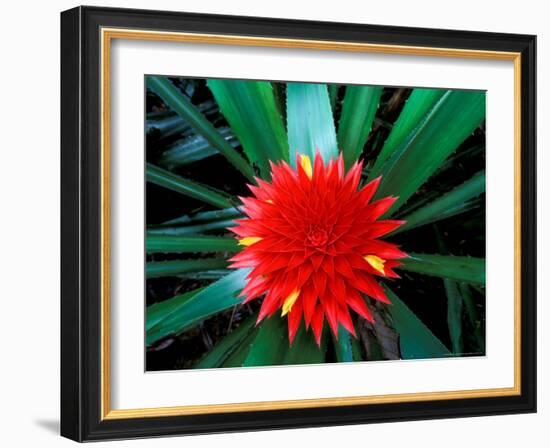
(107, 35)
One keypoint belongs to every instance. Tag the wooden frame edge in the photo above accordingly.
(107, 34)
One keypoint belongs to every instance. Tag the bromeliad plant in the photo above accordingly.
(310, 240)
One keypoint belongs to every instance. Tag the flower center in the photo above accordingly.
(317, 235)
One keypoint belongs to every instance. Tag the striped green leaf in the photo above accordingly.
(212, 215)
(346, 346)
(449, 204)
(180, 104)
(333, 95)
(191, 230)
(216, 297)
(238, 356)
(360, 105)
(473, 316)
(453, 118)
(454, 305)
(211, 274)
(454, 315)
(304, 349)
(251, 110)
(173, 268)
(223, 349)
(193, 149)
(309, 121)
(270, 345)
(416, 341)
(462, 269)
(176, 244)
(187, 187)
(417, 106)
(159, 311)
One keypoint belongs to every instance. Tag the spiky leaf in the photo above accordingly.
(346, 346)
(193, 149)
(462, 269)
(304, 349)
(187, 187)
(453, 118)
(251, 110)
(416, 341)
(449, 204)
(270, 345)
(417, 106)
(176, 244)
(217, 356)
(216, 297)
(179, 103)
(360, 105)
(155, 269)
(309, 121)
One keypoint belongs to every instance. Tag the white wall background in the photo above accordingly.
(29, 236)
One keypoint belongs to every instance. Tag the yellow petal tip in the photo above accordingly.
(305, 162)
(249, 240)
(290, 301)
(376, 262)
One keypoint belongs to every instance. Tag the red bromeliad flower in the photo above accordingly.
(312, 241)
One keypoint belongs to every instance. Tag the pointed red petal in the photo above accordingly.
(331, 312)
(309, 300)
(345, 319)
(381, 228)
(294, 319)
(367, 192)
(317, 324)
(366, 283)
(358, 304)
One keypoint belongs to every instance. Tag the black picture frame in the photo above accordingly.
(81, 224)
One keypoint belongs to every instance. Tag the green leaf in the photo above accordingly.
(454, 315)
(187, 187)
(309, 121)
(360, 105)
(213, 299)
(416, 341)
(453, 118)
(180, 104)
(190, 230)
(454, 305)
(417, 106)
(192, 149)
(304, 349)
(343, 346)
(211, 274)
(462, 269)
(158, 311)
(251, 110)
(208, 216)
(223, 349)
(450, 204)
(176, 244)
(155, 269)
(238, 356)
(270, 345)
(333, 95)
(473, 315)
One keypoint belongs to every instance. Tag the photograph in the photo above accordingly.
(297, 223)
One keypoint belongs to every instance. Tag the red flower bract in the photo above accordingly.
(312, 241)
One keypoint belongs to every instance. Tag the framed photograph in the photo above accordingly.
(274, 224)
